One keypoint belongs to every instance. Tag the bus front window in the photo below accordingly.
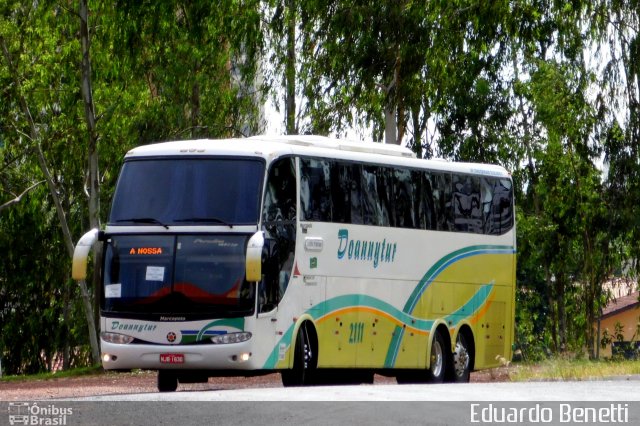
(185, 274)
(184, 191)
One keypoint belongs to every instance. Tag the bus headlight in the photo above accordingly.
(121, 339)
(231, 338)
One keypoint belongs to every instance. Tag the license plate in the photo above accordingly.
(172, 358)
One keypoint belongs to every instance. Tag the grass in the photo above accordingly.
(75, 372)
(571, 369)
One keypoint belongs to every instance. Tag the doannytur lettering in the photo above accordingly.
(117, 325)
(375, 252)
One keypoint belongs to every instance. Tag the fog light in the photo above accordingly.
(244, 357)
(107, 357)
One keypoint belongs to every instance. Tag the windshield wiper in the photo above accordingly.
(205, 219)
(152, 220)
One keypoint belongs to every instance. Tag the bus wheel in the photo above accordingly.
(461, 360)
(305, 360)
(438, 359)
(167, 381)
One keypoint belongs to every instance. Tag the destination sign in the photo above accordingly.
(146, 251)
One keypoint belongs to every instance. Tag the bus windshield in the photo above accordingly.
(179, 191)
(177, 274)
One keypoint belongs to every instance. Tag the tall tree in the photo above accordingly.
(199, 63)
(561, 131)
(199, 79)
(360, 55)
(282, 71)
(86, 87)
(36, 47)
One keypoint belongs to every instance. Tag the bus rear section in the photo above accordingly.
(415, 261)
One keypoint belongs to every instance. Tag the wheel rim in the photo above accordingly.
(307, 354)
(437, 358)
(461, 357)
(305, 360)
(306, 357)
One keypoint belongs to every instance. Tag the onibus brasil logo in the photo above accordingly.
(25, 413)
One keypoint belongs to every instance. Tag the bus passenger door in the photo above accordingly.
(279, 226)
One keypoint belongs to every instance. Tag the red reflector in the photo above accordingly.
(172, 358)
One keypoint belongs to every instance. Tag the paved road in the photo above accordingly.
(608, 390)
(612, 401)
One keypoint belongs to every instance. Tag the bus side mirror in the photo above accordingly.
(80, 254)
(254, 257)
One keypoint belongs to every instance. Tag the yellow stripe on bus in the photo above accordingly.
(353, 309)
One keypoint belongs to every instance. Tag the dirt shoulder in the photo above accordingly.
(112, 383)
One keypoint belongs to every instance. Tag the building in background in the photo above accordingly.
(619, 324)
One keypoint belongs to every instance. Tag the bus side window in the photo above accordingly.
(357, 216)
(315, 190)
(467, 204)
(341, 192)
(306, 187)
(279, 223)
(442, 198)
(424, 212)
(385, 184)
(487, 187)
(373, 212)
(404, 195)
(499, 213)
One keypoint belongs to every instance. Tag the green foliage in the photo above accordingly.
(194, 64)
(160, 71)
(606, 339)
(74, 372)
(34, 293)
(564, 368)
(618, 333)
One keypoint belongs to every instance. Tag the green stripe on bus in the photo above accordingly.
(404, 316)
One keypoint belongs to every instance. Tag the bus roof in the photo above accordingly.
(270, 147)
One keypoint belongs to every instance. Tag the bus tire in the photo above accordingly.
(438, 359)
(167, 381)
(305, 359)
(460, 370)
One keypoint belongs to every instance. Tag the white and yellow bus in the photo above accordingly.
(305, 255)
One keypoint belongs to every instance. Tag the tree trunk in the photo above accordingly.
(417, 130)
(290, 69)
(592, 308)
(390, 134)
(562, 314)
(393, 111)
(551, 301)
(94, 182)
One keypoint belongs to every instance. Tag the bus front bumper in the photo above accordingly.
(233, 356)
